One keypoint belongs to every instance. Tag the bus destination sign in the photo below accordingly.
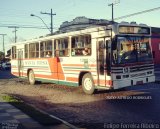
(134, 30)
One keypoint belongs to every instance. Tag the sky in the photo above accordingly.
(17, 13)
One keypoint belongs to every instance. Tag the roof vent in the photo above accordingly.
(133, 22)
(123, 22)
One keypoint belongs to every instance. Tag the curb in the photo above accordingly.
(54, 117)
(64, 122)
(70, 126)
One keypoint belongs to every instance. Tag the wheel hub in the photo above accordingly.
(88, 83)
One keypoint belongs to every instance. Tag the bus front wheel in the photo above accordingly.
(31, 77)
(87, 84)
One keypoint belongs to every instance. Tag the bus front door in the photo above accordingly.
(104, 78)
(20, 63)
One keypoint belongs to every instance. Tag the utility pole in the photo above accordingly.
(15, 31)
(112, 11)
(51, 14)
(3, 43)
(112, 5)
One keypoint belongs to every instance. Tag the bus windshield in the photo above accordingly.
(132, 49)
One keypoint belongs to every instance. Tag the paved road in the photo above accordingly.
(134, 107)
(139, 104)
(157, 72)
(6, 74)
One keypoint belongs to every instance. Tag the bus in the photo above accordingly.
(97, 58)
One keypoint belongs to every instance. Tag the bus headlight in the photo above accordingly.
(118, 77)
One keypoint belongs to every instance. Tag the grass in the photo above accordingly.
(42, 118)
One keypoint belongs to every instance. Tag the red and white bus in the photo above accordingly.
(102, 57)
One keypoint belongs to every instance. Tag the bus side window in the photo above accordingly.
(41, 49)
(46, 49)
(61, 47)
(34, 50)
(14, 52)
(26, 50)
(81, 45)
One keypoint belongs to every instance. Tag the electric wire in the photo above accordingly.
(138, 13)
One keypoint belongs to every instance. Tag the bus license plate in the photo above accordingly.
(139, 82)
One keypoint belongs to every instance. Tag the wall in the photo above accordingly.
(155, 42)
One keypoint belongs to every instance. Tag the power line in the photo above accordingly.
(25, 26)
(138, 13)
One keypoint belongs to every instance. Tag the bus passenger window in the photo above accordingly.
(26, 50)
(81, 45)
(14, 52)
(34, 50)
(46, 48)
(61, 47)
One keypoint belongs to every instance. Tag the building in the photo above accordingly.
(155, 42)
(80, 23)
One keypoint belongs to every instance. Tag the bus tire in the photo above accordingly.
(31, 77)
(87, 84)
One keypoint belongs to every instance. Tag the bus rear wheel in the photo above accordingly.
(31, 77)
(87, 84)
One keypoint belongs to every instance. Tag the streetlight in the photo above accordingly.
(42, 21)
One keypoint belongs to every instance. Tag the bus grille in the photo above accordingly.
(141, 68)
(137, 68)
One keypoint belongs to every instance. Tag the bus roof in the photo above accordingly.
(66, 34)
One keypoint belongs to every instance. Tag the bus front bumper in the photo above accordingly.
(121, 83)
